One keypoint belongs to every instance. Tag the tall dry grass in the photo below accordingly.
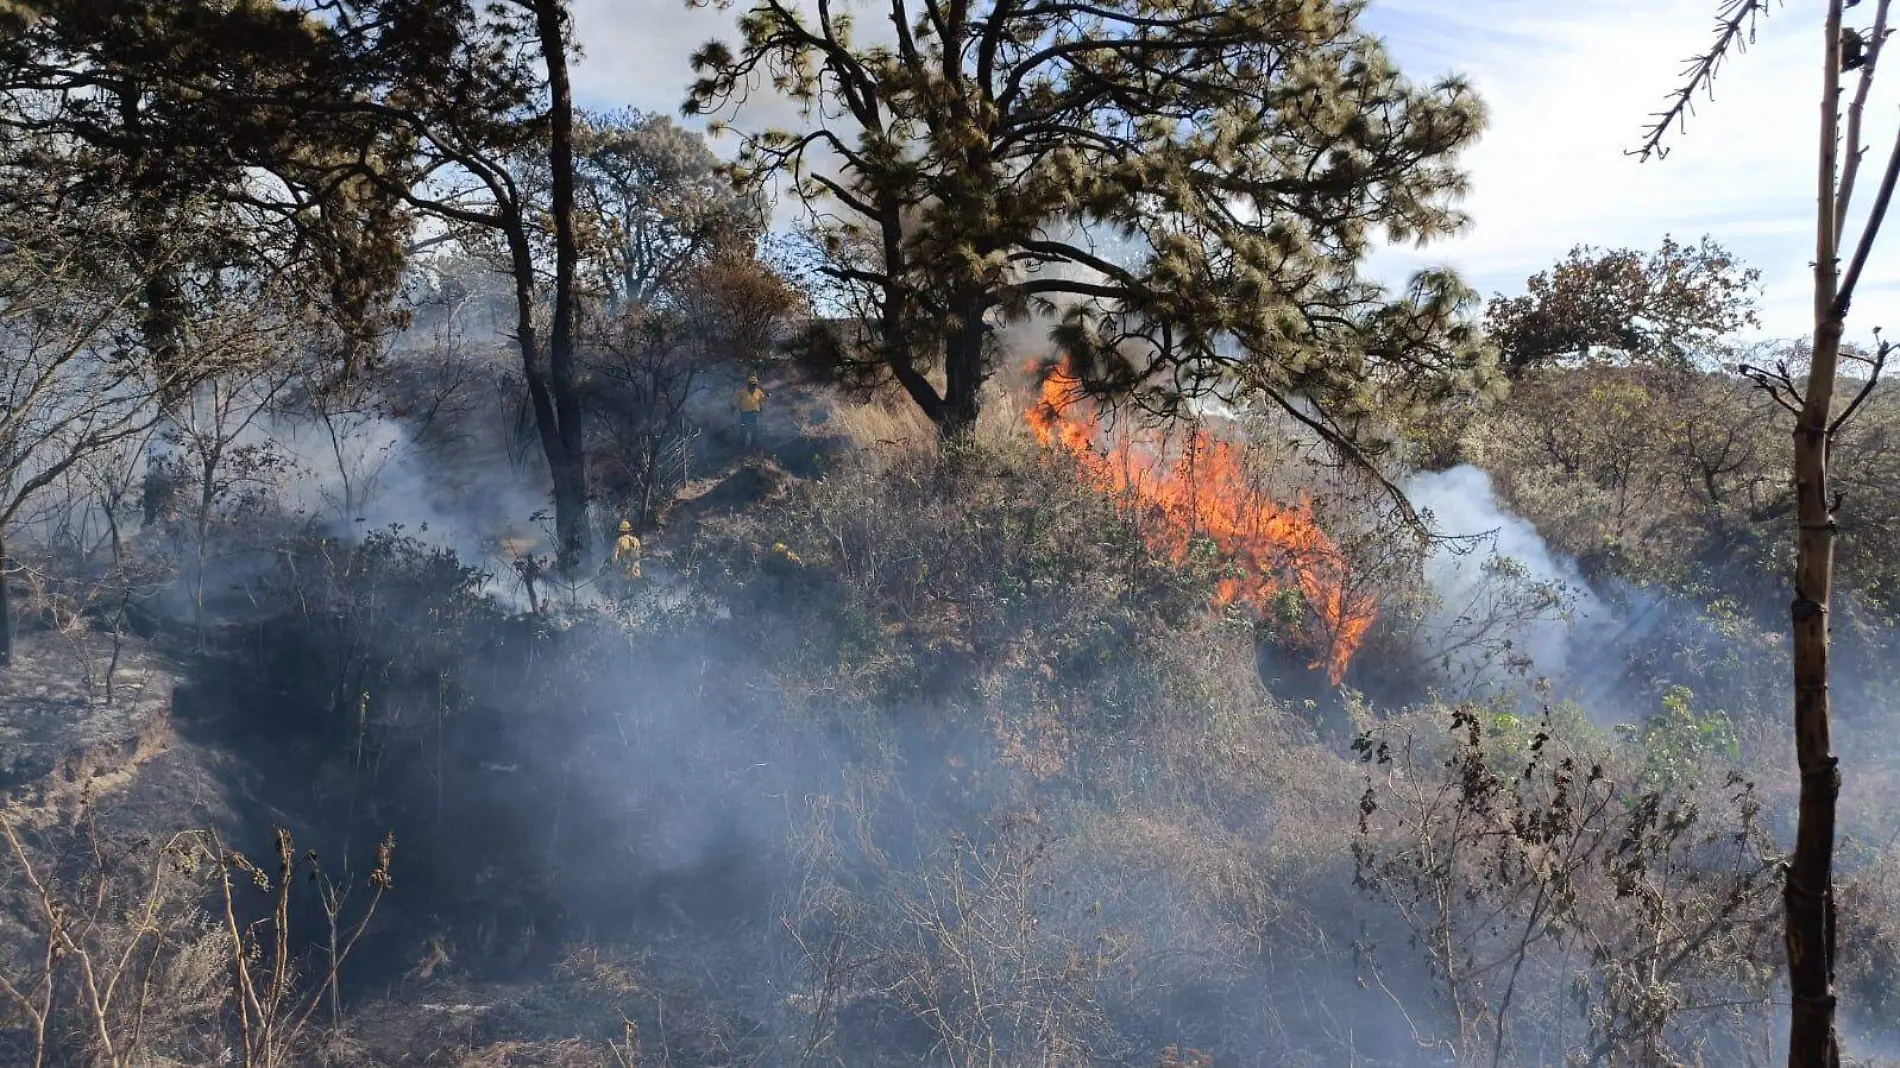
(891, 423)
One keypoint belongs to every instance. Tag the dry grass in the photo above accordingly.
(891, 423)
(568, 1053)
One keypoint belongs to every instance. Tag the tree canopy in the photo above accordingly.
(1673, 306)
(1187, 186)
(656, 205)
(172, 113)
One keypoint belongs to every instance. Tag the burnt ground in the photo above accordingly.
(74, 725)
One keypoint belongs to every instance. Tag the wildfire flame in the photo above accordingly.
(1205, 493)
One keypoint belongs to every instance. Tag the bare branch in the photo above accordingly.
(1777, 385)
(1876, 364)
(1735, 25)
(1844, 296)
(1850, 167)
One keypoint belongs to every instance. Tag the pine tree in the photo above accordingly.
(1190, 186)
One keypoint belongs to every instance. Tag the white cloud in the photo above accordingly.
(1568, 90)
(638, 52)
(1568, 97)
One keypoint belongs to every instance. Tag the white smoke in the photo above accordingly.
(1506, 607)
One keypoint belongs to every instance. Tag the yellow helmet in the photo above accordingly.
(626, 527)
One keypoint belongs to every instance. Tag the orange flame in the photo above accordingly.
(1205, 493)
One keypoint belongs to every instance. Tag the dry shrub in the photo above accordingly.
(1870, 923)
(1176, 1057)
(176, 952)
(1189, 851)
(978, 962)
(961, 944)
(1238, 812)
(1577, 899)
(1216, 841)
(1190, 836)
(601, 971)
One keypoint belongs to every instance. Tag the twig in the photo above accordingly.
(1877, 364)
(1778, 384)
(1735, 26)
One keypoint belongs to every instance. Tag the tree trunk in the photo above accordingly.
(158, 327)
(570, 472)
(528, 340)
(6, 608)
(1809, 893)
(963, 374)
(916, 386)
(894, 340)
(161, 313)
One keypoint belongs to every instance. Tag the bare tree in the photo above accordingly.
(1813, 1041)
(646, 371)
(220, 458)
(68, 390)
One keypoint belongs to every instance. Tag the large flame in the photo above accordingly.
(1204, 492)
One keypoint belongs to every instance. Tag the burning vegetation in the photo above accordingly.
(1197, 490)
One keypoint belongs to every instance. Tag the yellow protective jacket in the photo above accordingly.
(627, 555)
(749, 400)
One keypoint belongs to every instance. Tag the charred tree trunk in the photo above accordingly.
(553, 381)
(894, 318)
(159, 328)
(963, 373)
(6, 606)
(954, 410)
(1809, 893)
(569, 463)
(533, 373)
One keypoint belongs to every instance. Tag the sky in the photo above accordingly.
(1568, 88)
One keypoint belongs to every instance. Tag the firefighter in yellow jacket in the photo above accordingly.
(748, 402)
(626, 558)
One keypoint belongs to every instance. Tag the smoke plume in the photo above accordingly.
(1505, 604)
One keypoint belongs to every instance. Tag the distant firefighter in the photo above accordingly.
(748, 402)
(626, 558)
